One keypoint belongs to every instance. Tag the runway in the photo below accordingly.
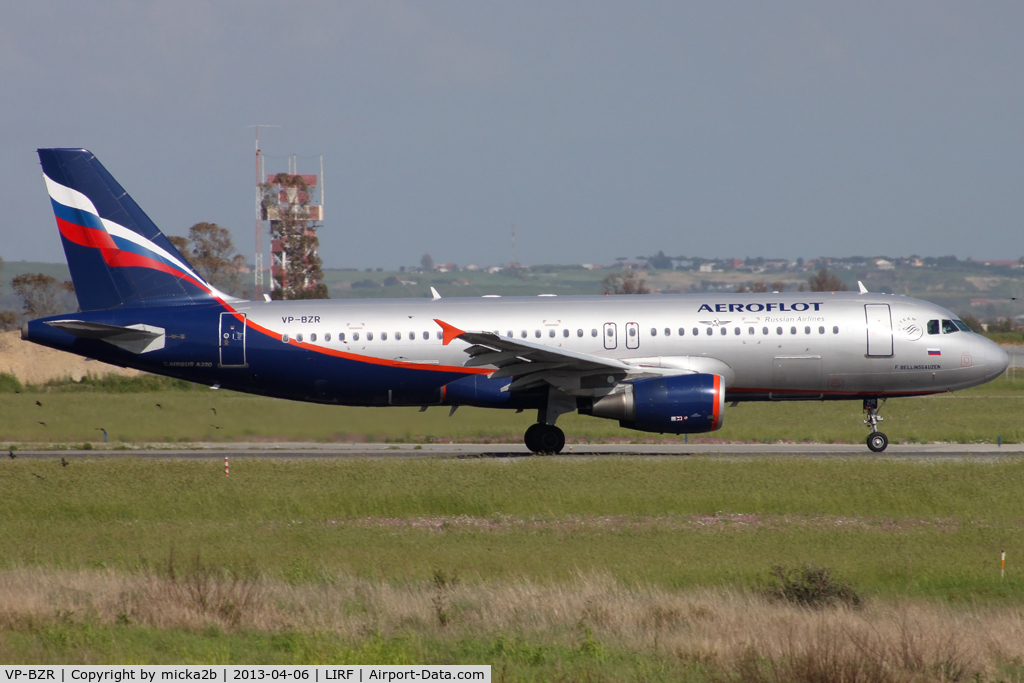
(446, 450)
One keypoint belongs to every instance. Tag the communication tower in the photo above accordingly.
(293, 204)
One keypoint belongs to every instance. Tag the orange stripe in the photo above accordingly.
(359, 358)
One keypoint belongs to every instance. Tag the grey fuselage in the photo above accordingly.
(780, 346)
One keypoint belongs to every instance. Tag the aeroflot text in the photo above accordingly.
(757, 308)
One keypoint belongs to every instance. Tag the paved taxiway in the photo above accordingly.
(384, 450)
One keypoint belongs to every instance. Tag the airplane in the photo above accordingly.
(660, 364)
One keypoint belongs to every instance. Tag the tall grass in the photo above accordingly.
(586, 624)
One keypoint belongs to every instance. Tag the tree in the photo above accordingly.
(660, 261)
(42, 295)
(624, 283)
(8, 319)
(760, 286)
(972, 322)
(211, 252)
(825, 281)
(427, 263)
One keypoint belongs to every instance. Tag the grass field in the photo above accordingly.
(151, 409)
(618, 568)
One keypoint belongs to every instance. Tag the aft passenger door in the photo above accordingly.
(232, 340)
(611, 336)
(879, 320)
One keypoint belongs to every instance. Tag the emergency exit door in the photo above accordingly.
(879, 320)
(232, 340)
(611, 336)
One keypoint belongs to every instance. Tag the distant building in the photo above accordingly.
(883, 264)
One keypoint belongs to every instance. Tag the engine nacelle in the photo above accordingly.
(678, 404)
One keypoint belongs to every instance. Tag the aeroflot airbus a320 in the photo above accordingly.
(664, 364)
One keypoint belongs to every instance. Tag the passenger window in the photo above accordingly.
(778, 330)
(948, 327)
(551, 333)
(593, 332)
(284, 338)
(565, 332)
(654, 332)
(579, 332)
(412, 336)
(327, 337)
(312, 337)
(523, 334)
(792, 330)
(933, 327)
(398, 336)
(682, 331)
(695, 332)
(821, 330)
(355, 336)
(383, 336)
(609, 332)
(668, 332)
(298, 337)
(835, 329)
(369, 336)
(725, 331)
(710, 331)
(764, 330)
(426, 335)
(632, 332)
(341, 336)
(807, 330)
(440, 334)
(536, 333)
(750, 330)
(737, 330)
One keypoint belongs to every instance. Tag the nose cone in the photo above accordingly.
(996, 359)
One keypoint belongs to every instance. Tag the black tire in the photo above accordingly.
(550, 439)
(877, 442)
(530, 437)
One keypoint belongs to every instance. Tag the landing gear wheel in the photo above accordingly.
(542, 438)
(530, 437)
(877, 441)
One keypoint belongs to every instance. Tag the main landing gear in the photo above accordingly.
(544, 438)
(877, 441)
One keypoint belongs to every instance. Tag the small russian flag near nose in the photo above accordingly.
(934, 352)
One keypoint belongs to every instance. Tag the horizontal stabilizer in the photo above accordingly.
(134, 338)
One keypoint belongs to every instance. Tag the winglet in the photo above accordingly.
(435, 295)
(863, 289)
(450, 332)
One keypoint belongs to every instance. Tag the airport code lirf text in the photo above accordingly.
(229, 673)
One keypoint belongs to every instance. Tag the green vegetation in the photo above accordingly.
(893, 528)
(615, 568)
(131, 410)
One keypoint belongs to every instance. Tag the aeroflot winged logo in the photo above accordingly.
(798, 307)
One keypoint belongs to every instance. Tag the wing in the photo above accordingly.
(532, 364)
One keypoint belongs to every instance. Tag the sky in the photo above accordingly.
(598, 129)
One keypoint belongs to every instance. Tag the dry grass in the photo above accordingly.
(732, 635)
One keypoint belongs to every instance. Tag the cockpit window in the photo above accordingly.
(962, 325)
(933, 327)
(948, 327)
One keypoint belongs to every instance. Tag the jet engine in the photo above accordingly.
(677, 404)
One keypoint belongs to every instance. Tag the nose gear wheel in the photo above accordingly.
(877, 441)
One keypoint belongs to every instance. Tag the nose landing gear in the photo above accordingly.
(877, 441)
(544, 438)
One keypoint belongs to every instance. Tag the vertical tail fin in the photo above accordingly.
(116, 255)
